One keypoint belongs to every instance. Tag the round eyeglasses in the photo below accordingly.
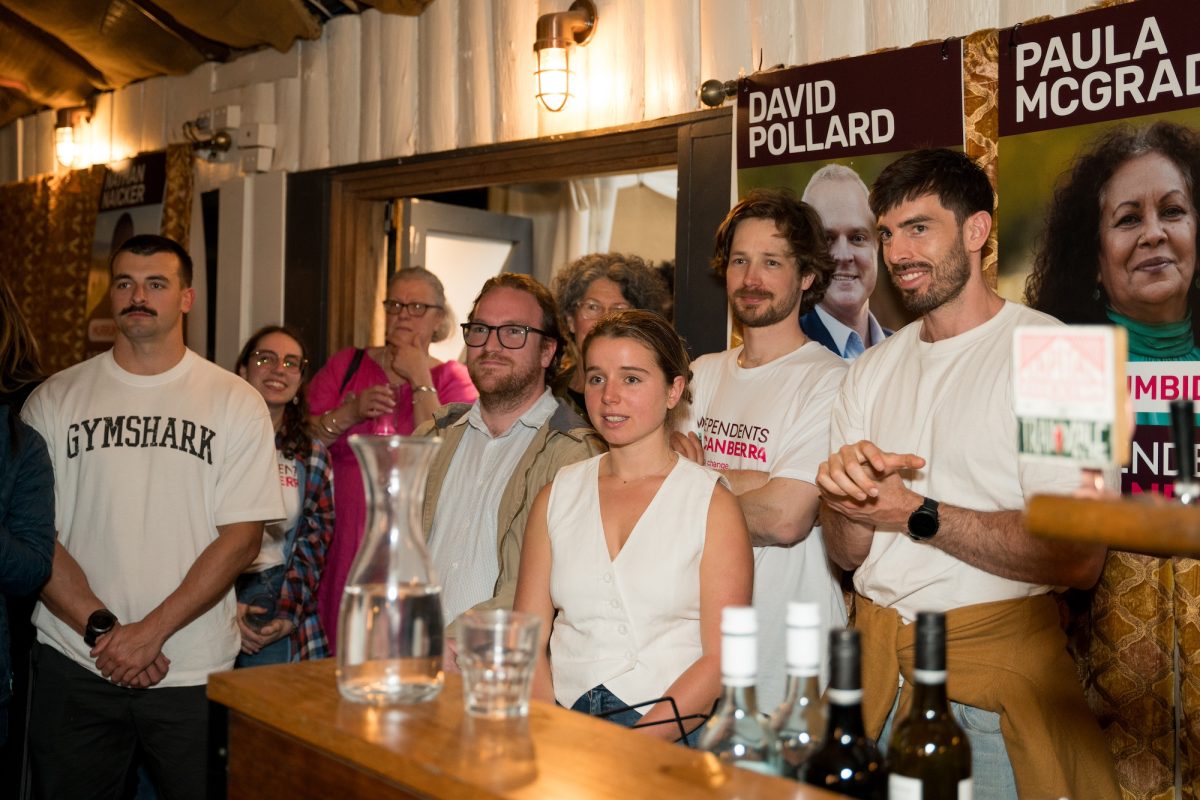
(590, 309)
(270, 360)
(394, 307)
(511, 337)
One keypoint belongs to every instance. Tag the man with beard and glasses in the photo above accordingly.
(165, 471)
(924, 494)
(498, 452)
(843, 321)
(760, 412)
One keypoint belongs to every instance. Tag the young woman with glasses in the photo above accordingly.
(277, 595)
(390, 388)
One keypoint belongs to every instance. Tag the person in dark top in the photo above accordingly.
(26, 529)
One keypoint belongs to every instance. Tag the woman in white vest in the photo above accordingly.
(630, 556)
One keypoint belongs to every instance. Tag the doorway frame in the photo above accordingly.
(336, 217)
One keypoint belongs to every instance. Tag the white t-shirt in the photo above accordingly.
(145, 469)
(951, 403)
(774, 418)
(275, 533)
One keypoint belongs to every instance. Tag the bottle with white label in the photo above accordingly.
(799, 722)
(735, 733)
(929, 754)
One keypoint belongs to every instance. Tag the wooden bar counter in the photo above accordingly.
(1140, 524)
(291, 735)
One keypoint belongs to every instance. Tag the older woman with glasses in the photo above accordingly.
(385, 389)
(586, 290)
(277, 595)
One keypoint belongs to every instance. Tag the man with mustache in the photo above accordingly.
(924, 495)
(165, 472)
(498, 452)
(843, 321)
(760, 412)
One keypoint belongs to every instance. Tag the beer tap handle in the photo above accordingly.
(1183, 431)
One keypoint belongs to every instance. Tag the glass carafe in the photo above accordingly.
(390, 624)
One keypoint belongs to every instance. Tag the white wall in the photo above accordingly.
(379, 86)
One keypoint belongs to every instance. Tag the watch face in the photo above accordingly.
(98, 624)
(102, 620)
(923, 523)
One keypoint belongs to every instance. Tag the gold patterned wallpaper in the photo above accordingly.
(47, 225)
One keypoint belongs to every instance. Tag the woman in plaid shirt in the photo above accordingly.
(277, 595)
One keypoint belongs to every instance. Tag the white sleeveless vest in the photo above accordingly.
(630, 623)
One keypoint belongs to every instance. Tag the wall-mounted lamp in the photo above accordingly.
(555, 35)
(67, 148)
(205, 140)
(713, 92)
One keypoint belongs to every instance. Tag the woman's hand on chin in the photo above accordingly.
(408, 358)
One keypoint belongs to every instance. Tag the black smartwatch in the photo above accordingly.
(923, 523)
(98, 624)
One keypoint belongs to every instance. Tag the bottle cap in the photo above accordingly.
(845, 657)
(806, 615)
(739, 651)
(931, 640)
(803, 639)
(739, 620)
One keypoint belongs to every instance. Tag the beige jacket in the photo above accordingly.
(564, 439)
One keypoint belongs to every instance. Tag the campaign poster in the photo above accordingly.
(839, 123)
(130, 203)
(1099, 113)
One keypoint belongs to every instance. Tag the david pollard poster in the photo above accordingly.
(826, 131)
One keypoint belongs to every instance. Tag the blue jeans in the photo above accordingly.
(259, 589)
(599, 700)
(991, 771)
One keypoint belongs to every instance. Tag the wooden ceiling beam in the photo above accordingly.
(57, 47)
(211, 50)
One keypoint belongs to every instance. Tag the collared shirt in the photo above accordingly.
(462, 541)
(841, 334)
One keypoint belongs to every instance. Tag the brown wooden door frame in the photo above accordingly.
(326, 248)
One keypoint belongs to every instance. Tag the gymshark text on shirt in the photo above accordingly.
(157, 431)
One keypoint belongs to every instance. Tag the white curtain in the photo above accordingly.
(572, 218)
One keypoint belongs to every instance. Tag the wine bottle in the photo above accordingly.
(734, 733)
(799, 722)
(847, 762)
(929, 755)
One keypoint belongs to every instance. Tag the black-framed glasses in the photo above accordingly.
(511, 337)
(270, 360)
(394, 307)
